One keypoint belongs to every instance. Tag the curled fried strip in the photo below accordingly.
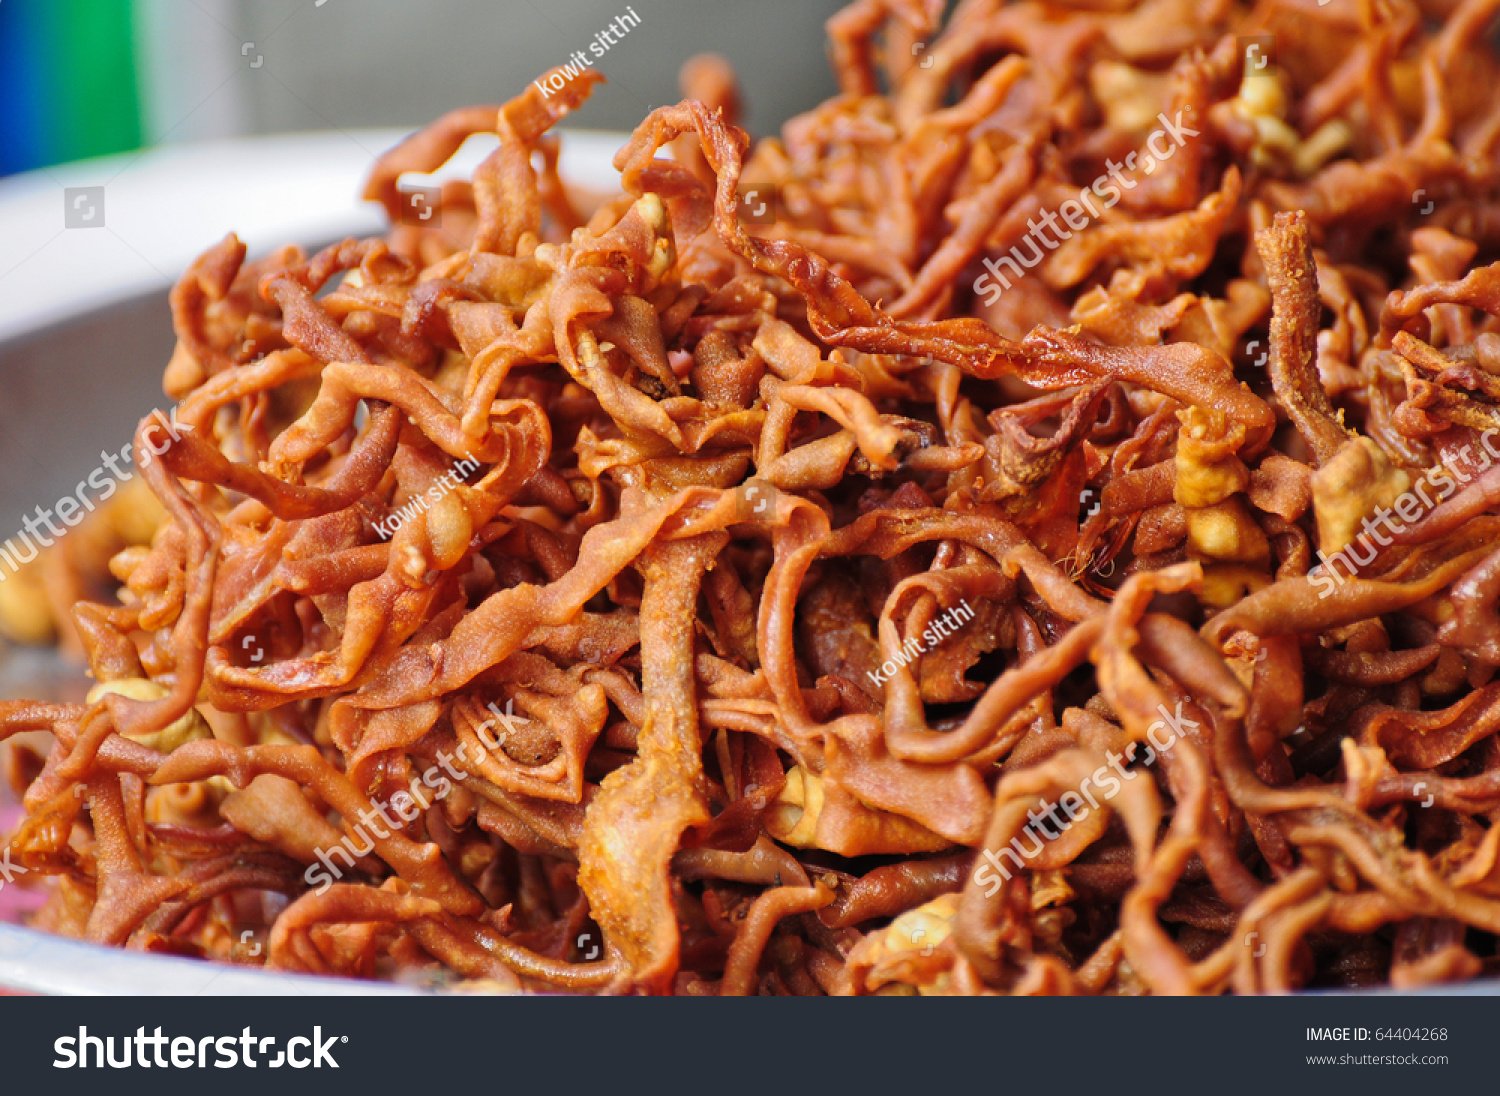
(1286, 251)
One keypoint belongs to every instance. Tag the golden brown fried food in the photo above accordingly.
(1040, 542)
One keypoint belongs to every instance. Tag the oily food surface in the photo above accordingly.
(1024, 530)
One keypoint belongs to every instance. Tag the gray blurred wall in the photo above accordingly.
(359, 63)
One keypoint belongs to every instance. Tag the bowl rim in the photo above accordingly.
(269, 189)
(33, 961)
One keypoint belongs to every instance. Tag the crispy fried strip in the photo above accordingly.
(1292, 276)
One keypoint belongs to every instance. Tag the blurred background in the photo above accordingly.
(83, 78)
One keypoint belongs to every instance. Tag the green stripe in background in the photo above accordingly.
(89, 77)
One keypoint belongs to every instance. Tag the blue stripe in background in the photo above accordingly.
(24, 143)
